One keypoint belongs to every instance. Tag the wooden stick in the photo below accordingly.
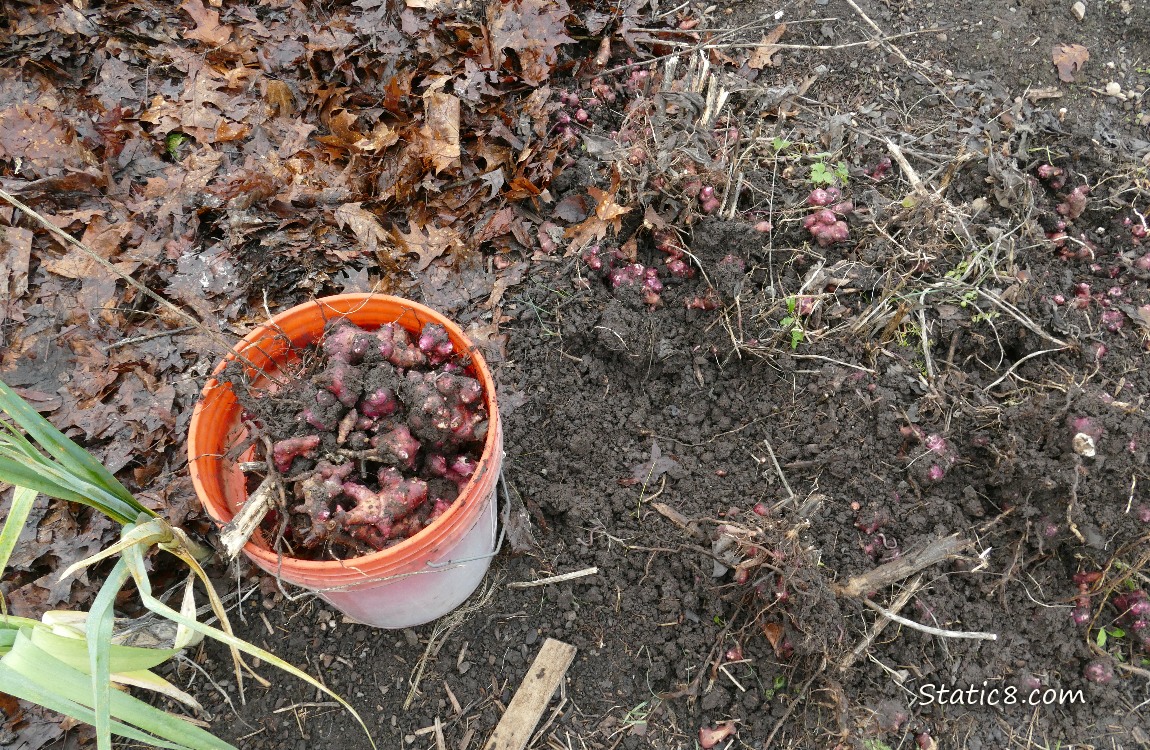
(236, 533)
(530, 700)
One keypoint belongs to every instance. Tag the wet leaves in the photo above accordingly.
(534, 30)
(208, 28)
(427, 243)
(606, 217)
(440, 130)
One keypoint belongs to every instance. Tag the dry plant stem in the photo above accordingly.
(680, 520)
(835, 361)
(237, 531)
(900, 568)
(690, 48)
(779, 469)
(148, 337)
(880, 624)
(553, 579)
(791, 706)
(1013, 312)
(1014, 366)
(907, 170)
(1074, 501)
(885, 39)
(973, 635)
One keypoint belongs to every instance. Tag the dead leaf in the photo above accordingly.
(441, 130)
(534, 30)
(766, 49)
(208, 29)
(594, 229)
(363, 224)
(280, 98)
(41, 141)
(1069, 59)
(507, 279)
(378, 139)
(103, 238)
(774, 633)
(428, 243)
(494, 180)
(653, 469)
(571, 208)
(1139, 315)
(15, 252)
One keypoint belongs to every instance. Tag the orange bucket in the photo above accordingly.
(413, 582)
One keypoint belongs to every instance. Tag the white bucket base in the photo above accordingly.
(421, 597)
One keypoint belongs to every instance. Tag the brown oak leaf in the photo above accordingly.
(1069, 59)
(428, 243)
(363, 224)
(766, 49)
(606, 216)
(534, 30)
(208, 28)
(440, 130)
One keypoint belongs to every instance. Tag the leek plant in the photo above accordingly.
(73, 662)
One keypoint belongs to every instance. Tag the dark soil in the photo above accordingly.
(665, 445)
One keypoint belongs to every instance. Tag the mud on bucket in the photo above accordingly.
(413, 582)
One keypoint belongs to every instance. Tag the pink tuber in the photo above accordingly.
(286, 451)
(1098, 671)
(346, 342)
(1074, 203)
(823, 197)
(403, 352)
(440, 507)
(825, 226)
(397, 447)
(322, 415)
(636, 274)
(396, 498)
(317, 492)
(709, 737)
(443, 419)
(592, 259)
(1052, 175)
(343, 380)
(435, 343)
(459, 470)
(379, 403)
